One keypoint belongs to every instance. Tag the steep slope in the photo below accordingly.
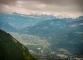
(50, 26)
(11, 49)
(7, 27)
(20, 21)
(46, 27)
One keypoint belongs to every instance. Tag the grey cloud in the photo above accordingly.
(49, 2)
(8, 2)
(60, 2)
(67, 6)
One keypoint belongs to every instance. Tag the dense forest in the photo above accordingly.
(11, 49)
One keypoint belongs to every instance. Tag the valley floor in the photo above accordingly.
(41, 47)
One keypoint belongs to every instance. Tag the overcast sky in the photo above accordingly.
(64, 8)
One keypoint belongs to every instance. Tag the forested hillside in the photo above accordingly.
(11, 49)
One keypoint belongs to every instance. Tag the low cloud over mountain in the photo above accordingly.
(65, 8)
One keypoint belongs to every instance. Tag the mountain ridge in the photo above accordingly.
(7, 27)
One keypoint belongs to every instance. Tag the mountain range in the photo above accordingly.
(61, 33)
(7, 27)
(47, 27)
(52, 36)
(20, 21)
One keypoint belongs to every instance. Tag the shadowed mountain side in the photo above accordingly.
(7, 27)
(11, 49)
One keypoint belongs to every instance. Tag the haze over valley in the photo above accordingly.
(52, 38)
(45, 29)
